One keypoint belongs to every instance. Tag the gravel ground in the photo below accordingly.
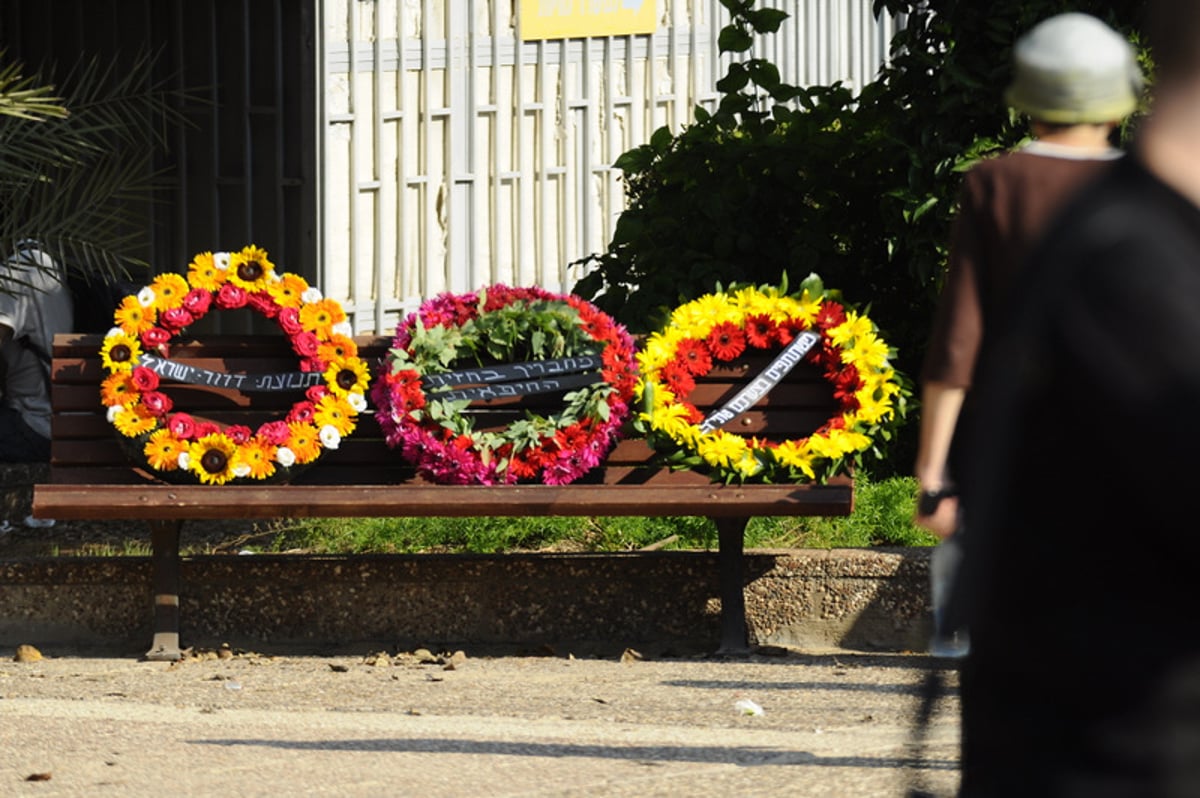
(471, 723)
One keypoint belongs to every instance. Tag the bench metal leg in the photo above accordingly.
(731, 568)
(164, 539)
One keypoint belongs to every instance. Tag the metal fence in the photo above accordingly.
(454, 154)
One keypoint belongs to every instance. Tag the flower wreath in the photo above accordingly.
(720, 327)
(490, 330)
(183, 447)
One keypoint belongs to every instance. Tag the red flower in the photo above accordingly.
(693, 355)
(157, 402)
(230, 296)
(276, 432)
(207, 428)
(197, 302)
(831, 314)
(177, 318)
(521, 469)
(155, 337)
(726, 341)
(182, 426)
(145, 379)
(238, 433)
(302, 412)
(289, 320)
(306, 344)
(264, 304)
(760, 331)
(677, 377)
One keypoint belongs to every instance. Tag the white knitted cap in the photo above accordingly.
(1072, 69)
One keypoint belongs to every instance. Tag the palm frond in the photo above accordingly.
(81, 182)
(22, 97)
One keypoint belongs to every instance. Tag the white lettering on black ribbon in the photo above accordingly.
(194, 375)
(784, 362)
(508, 390)
(508, 372)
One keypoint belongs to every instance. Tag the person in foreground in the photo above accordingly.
(1083, 677)
(1075, 79)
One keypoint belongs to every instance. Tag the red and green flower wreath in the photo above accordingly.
(720, 327)
(495, 327)
(176, 444)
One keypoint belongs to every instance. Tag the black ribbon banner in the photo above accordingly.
(181, 372)
(784, 362)
(506, 380)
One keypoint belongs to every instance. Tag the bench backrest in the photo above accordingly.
(87, 450)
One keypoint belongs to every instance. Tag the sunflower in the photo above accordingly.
(120, 351)
(251, 269)
(213, 458)
(346, 377)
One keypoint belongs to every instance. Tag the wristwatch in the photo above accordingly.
(928, 500)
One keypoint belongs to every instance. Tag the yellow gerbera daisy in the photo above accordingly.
(794, 454)
(259, 456)
(320, 316)
(131, 317)
(204, 274)
(162, 450)
(335, 411)
(118, 389)
(304, 442)
(338, 347)
(288, 291)
(134, 421)
(721, 448)
(169, 291)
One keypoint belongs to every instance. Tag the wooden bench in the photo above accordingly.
(92, 478)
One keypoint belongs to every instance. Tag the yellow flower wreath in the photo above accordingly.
(719, 327)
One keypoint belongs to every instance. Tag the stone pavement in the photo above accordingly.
(475, 724)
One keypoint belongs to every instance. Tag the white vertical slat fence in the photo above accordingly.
(453, 154)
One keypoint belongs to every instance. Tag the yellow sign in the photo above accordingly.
(568, 19)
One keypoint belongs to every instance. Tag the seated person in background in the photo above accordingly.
(34, 305)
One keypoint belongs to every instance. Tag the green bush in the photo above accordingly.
(787, 180)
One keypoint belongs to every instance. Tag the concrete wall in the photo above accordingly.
(813, 600)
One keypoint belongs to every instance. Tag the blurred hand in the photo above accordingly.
(942, 521)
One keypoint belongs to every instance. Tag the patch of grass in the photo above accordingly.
(882, 517)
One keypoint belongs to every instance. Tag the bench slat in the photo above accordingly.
(169, 502)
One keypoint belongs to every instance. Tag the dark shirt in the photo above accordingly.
(1004, 206)
(1084, 672)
